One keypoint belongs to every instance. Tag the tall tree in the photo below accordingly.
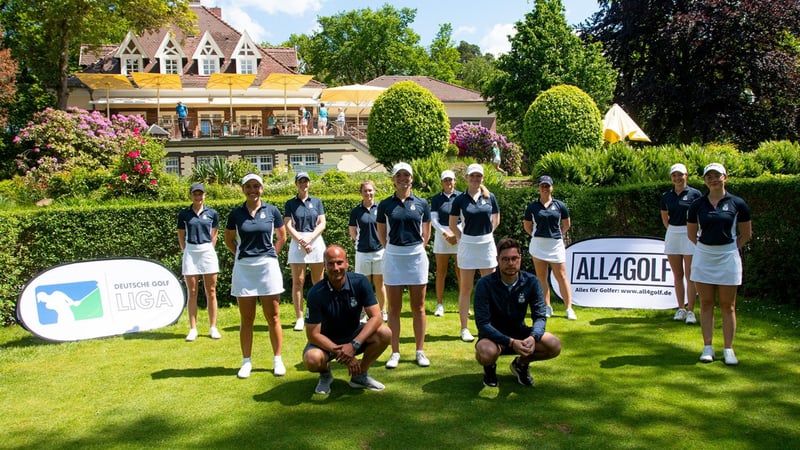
(8, 83)
(725, 70)
(45, 35)
(444, 64)
(359, 45)
(468, 51)
(546, 52)
(476, 72)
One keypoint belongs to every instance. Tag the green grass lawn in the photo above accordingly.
(625, 379)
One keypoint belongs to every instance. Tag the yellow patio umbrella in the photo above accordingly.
(359, 95)
(230, 81)
(618, 126)
(105, 81)
(157, 81)
(285, 82)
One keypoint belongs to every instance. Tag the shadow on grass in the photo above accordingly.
(152, 336)
(27, 341)
(673, 359)
(622, 321)
(301, 392)
(198, 372)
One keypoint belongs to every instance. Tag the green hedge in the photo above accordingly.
(31, 241)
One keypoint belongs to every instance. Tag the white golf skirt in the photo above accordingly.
(200, 259)
(676, 241)
(717, 264)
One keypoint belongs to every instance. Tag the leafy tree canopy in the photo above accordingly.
(546, 52)
(360, 45)
(712, 70)
(45, 36)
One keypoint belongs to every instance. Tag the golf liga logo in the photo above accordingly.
(99, 298)
(62, 303)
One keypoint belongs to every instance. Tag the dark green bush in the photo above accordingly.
(406, 122)
(561, 117)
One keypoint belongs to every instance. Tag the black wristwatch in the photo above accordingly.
(356, 345)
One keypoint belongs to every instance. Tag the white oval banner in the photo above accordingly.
(619, 272)
(93, 299)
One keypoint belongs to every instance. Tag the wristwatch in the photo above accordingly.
(356, 345)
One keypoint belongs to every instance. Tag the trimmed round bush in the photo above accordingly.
(561, 117)
(406, 122)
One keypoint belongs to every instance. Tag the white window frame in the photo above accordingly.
(172, 164)
(265, 163)
(303, 159)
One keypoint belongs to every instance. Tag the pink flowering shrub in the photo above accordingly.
(137, 170)
(475, 141)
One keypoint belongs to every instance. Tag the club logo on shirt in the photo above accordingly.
(685, 197)
(725, 207)
(553, 207)
(262, 215)
(521, 298)
(353, 302)
(413, 208)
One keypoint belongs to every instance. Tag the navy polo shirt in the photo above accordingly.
(304, 214)
(718, 225)
(677, 205)
(255, 233)
(475, 215)
(500, 310)
(548, 220)
(404, 219)
(339, 312)
(198, 226)
(365, 220)
(442, 203)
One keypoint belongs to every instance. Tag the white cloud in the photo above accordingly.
(464, 30)
(241, 20)
(496, 41)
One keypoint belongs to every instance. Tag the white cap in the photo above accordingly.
(678, 168)
(402, 166)
(252, 176)
(448, 174)
(716, 167)
(474, 168)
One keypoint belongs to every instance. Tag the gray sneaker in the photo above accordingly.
(690, 318)
(364, 381)
(324, 383)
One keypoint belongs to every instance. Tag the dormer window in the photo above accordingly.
(170, 56)
(131, 55)
(246, 55)
(207, 55)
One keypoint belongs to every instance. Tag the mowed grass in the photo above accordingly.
(625, 379)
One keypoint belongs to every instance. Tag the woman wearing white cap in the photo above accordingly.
(677, 246)
(255, 235)
(197, 236)
(479, 215)
(719, 225)
(404, 227)
(552, 221)
(445, 245)
(304, 217)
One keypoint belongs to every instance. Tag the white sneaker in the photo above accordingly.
(385, 316)
(690, 318)
(298, 326)
(279, 369)
(729, 356)
(439, 310)
(548, 311)
(214, 333)
(363, 318)
(680, 314)
(708, 354)
(192, 335)
(244, 371)
(394, 359)
(364, 381)
(571, 314)
(466, 336)
(422, 360)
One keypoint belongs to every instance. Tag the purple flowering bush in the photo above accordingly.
(475, 141)
(56, 145)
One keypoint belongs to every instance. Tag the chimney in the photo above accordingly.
(216, 10)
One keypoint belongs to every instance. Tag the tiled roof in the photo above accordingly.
(273, 60)
(445, 92)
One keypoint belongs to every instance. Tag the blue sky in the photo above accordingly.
(488, 25)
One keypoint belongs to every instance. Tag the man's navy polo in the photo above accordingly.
(339, 312)
(500, 311)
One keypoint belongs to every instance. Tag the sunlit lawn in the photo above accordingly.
(626, 379)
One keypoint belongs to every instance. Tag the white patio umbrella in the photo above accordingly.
(360, 96)
(618, 126)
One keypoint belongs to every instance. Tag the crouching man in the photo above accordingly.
(501, 303)
(333, 327)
